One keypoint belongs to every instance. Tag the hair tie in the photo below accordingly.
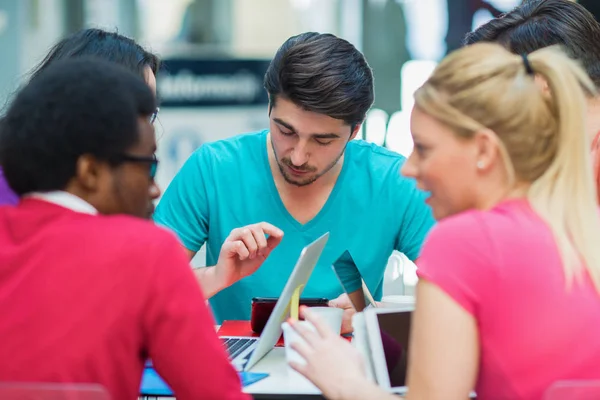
(528, 68)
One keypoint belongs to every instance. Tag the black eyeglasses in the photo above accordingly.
(154, 115)
(152, 160)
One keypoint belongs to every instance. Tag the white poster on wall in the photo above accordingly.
(179, 132)
(203, 101)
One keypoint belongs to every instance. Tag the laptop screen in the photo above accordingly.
(395, 331)
(342, 268)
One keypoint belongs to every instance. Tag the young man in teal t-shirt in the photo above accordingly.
(304, 176)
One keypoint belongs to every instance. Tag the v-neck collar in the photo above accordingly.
(277, 197)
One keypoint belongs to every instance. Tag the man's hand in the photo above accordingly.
(343, 302)
(244, 251)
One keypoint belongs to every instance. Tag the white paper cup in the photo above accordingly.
(291, 336)
(331, 315)
(398, 301)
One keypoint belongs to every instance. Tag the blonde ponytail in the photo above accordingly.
(564, 196)
(542, 134)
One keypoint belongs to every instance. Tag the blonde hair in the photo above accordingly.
(542, 134)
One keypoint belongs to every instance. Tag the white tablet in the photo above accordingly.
(299, 277)
(388, 334)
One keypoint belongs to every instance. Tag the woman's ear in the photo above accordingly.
(487, 149)
(543, 84)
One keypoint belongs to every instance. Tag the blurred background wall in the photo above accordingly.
(215, 52)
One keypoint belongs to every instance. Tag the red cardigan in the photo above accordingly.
(87, 298)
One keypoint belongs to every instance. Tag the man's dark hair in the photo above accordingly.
(541, 23)
(109, 46)
(73, 107)
(324, 74)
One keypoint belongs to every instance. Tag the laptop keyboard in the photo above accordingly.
(236, 346)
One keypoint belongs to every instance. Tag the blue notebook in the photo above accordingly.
(153, 384)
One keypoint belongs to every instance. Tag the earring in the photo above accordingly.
(479, 164)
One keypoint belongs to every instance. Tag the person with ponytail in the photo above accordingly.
(508, 300)
(536, 24)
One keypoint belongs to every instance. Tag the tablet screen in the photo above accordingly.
(395, 330)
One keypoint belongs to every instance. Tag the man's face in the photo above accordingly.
(129, 187)
(306, 144)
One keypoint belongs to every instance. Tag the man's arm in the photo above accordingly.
(185, 205)
(208, 281)
(205, 277)
(185, 209)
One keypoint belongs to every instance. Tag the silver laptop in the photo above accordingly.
(369, 300)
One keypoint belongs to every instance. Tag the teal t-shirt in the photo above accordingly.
(371, 211)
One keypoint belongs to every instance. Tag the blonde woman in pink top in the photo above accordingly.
(508, 299)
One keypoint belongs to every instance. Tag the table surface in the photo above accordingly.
(284, 383)
(282, 379)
